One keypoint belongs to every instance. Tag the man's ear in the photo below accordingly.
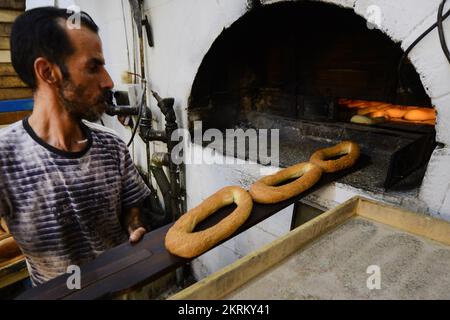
(46, 71)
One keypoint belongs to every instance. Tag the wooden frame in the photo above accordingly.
(14, 271)
(225, 281)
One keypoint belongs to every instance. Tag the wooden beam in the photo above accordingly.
(5, 56)
(11, 117)
(13, 94)
(4, 43)
(5, 29)
(9, 15)
(12, 4)
(11, 82)
(6, 69)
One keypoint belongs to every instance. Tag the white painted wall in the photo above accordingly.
(184, 32)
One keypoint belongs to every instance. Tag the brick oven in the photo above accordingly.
(292, 73)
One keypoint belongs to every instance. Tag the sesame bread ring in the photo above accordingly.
(266, 191)
(181, 241)
(347, 149)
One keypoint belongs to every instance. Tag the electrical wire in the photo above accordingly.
(141, 111)
(441, 18)
(440, 23)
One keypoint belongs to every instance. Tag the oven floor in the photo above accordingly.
(298, 141)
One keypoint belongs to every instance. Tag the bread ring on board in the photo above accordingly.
(347, 149)
(265, 190)
(181, 241)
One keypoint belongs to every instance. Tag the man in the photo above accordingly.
(68, 190)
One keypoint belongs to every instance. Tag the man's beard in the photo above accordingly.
(71, 98)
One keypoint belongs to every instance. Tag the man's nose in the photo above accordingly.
(107, 82)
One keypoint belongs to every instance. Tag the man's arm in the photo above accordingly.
(134, 225)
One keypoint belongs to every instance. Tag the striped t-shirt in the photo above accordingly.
(65, 208)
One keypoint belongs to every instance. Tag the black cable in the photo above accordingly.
(441, 31)
(412, 45)
(141, 107)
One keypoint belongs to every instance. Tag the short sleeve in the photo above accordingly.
(134, 189)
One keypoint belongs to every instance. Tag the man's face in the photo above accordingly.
(83, 94)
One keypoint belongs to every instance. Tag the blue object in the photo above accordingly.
(16, 105)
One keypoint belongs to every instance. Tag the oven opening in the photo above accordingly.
(320, 74)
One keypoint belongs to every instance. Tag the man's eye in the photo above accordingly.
(93, 69)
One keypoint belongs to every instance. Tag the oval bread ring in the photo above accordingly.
(181, 241)
(349, 149)
(265, 190)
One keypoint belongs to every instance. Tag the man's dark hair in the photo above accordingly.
(39, 33)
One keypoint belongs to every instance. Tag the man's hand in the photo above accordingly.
(134, 225)
(136, 235)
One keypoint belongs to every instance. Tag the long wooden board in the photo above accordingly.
(16, 93)
(112, 282)
(223, 282)
(8, 15)
(5, 56)
(4, 43)
(6, 69)
(12, 4)
(11, 82)
(5, 29)
(16, 270)
(11, 117)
